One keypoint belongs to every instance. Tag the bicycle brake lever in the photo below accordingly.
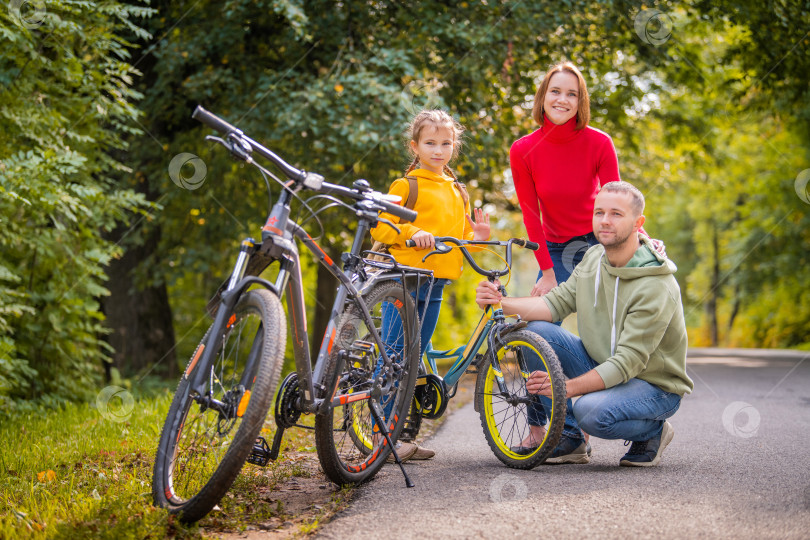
(235, 145)
(240, 147)
(390, 224)
(441, 249)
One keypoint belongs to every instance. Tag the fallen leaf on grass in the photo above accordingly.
(46, 476)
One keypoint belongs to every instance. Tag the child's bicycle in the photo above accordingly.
(357, 384)
(501, 399)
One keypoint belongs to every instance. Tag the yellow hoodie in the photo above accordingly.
(441, 211)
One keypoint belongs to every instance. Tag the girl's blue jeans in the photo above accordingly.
(565, 256)
(427, 307)
(633, 411)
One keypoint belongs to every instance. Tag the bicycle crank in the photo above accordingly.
(286, 414)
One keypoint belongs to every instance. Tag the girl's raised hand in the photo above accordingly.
(480, 226)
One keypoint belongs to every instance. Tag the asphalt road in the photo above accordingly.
(738, 467)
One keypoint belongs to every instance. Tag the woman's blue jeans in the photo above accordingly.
(427, 308)
(565, 256)
(633, 411)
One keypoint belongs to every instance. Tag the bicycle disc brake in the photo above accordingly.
(431, 397)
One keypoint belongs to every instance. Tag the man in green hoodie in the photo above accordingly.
(629, 365)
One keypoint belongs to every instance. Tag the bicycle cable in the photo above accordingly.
(335, 202)
(287, 186)
(509, 272)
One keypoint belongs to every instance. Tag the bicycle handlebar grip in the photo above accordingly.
(534, 246)
(409, 243)
(522, 242)
(213, 121)
(400, 211)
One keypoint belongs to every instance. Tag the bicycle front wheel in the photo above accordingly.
(202, 447)
(350, 446)
(505, 415)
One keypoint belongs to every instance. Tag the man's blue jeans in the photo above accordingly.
(633, 411)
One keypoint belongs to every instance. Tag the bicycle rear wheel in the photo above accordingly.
(348, 449)
(504, 416)
(202, 449)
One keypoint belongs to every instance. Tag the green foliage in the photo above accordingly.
(719, 174)
(773, 58)
(65, 102)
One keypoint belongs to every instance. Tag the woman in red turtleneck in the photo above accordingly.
(557, 171)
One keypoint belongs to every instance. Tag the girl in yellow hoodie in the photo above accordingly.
(443, 210)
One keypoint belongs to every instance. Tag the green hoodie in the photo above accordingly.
(630, 318)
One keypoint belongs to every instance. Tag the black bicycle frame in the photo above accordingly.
(279, 246)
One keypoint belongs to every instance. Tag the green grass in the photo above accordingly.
(101, 472)
(100, 484)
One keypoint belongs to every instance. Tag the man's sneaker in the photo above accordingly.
(405, 451)
(569, 451)
(588, 449)
(648, 453)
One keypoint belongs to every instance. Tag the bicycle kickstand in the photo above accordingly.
(378, 420)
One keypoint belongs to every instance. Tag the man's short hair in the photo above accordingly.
(636, 197)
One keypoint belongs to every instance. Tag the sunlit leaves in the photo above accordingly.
(66, 101)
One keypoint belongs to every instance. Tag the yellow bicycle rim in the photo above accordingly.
(490, 387)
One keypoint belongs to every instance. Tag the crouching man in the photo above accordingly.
(629, 363)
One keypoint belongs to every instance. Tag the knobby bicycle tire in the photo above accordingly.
(201, 451)
(504, 418)
(348, 450)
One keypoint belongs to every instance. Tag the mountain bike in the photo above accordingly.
(357, 384)
(501, 372)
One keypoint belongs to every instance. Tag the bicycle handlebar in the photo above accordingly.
(310, 180)
(399, 211)
(213, 121)
(442, 247)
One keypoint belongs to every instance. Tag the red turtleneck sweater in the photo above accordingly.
(557, 172)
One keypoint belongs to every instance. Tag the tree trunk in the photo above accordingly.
(711, 304)
(735, 309)
(140, 319)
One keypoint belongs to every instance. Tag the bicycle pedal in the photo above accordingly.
(260, 455)
(362, 346)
